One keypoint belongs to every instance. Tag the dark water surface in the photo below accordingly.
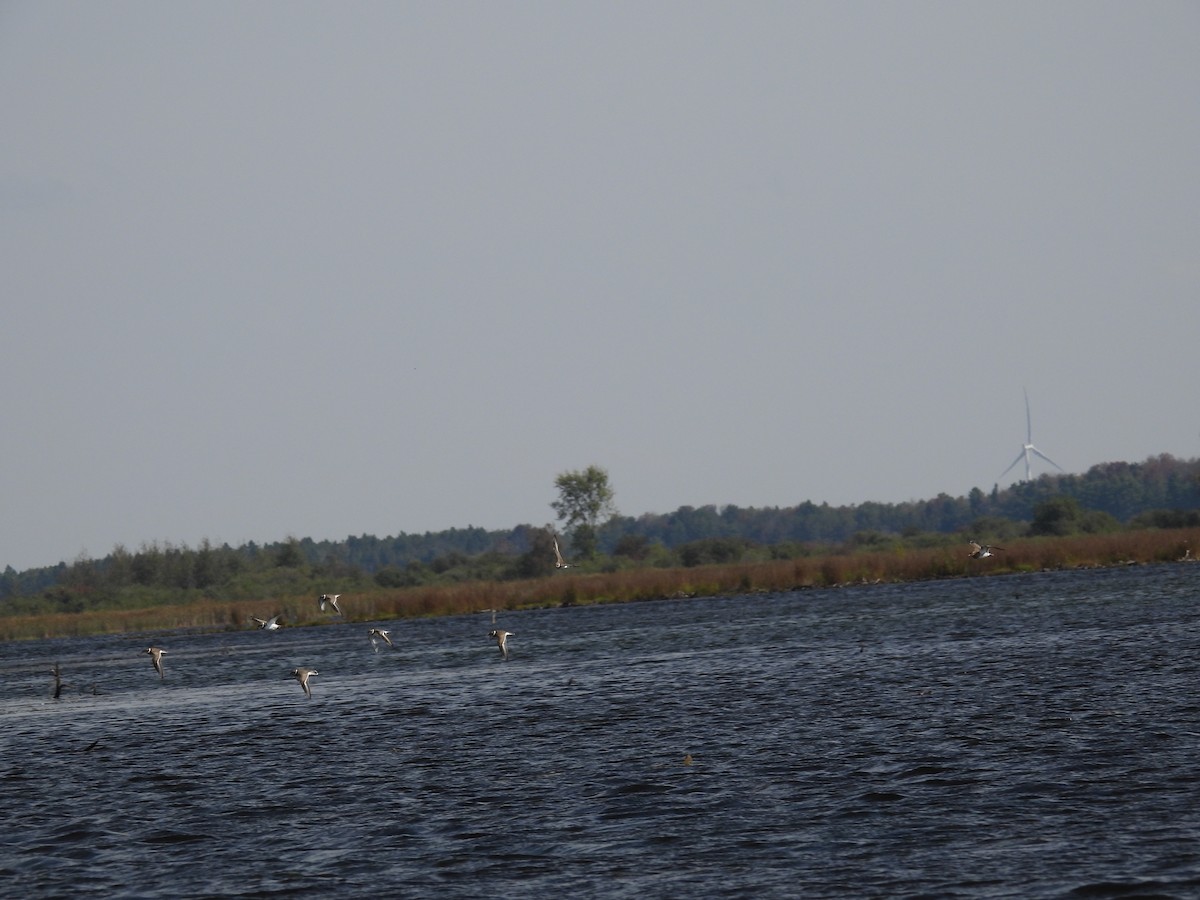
(1017, 736)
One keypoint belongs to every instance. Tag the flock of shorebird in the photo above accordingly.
(377, 635)
(303, 673)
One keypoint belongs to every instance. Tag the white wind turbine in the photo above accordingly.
(1028, 449)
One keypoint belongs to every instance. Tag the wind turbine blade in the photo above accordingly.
(1028, 420)
(1020, 456)
(1035, 450)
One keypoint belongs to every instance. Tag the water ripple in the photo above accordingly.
(1003, 737)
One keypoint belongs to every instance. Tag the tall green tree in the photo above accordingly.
(585, 499)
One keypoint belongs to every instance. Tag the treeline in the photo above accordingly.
(1155, 492)
(1161, 492)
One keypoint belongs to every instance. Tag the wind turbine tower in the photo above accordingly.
(1028, 450)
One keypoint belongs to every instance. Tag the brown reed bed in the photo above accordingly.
(631, 585)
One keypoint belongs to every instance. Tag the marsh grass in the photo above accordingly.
(895, 565)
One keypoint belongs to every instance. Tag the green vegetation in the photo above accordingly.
(1115, 513)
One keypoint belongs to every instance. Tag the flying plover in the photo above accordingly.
(383, 636)
(156, 657)
(332, 600)
(302, 676)
(559, 562)
(270, 624)
(501, 637)
(981, 551)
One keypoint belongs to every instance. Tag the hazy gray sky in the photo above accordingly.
(321, 269)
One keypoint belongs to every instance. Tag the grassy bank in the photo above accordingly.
(863, 567)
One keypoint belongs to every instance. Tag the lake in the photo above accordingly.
(1012, 736)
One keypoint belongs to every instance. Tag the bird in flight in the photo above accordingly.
(381, 635)
(302, 676)
(271, 624)
(156, 657)
(501, 637)
(981, 551)
(559, 562)
(332, 600)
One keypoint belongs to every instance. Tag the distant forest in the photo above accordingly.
(1162, 492)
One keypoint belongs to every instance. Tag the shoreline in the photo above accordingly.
(827, 572)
